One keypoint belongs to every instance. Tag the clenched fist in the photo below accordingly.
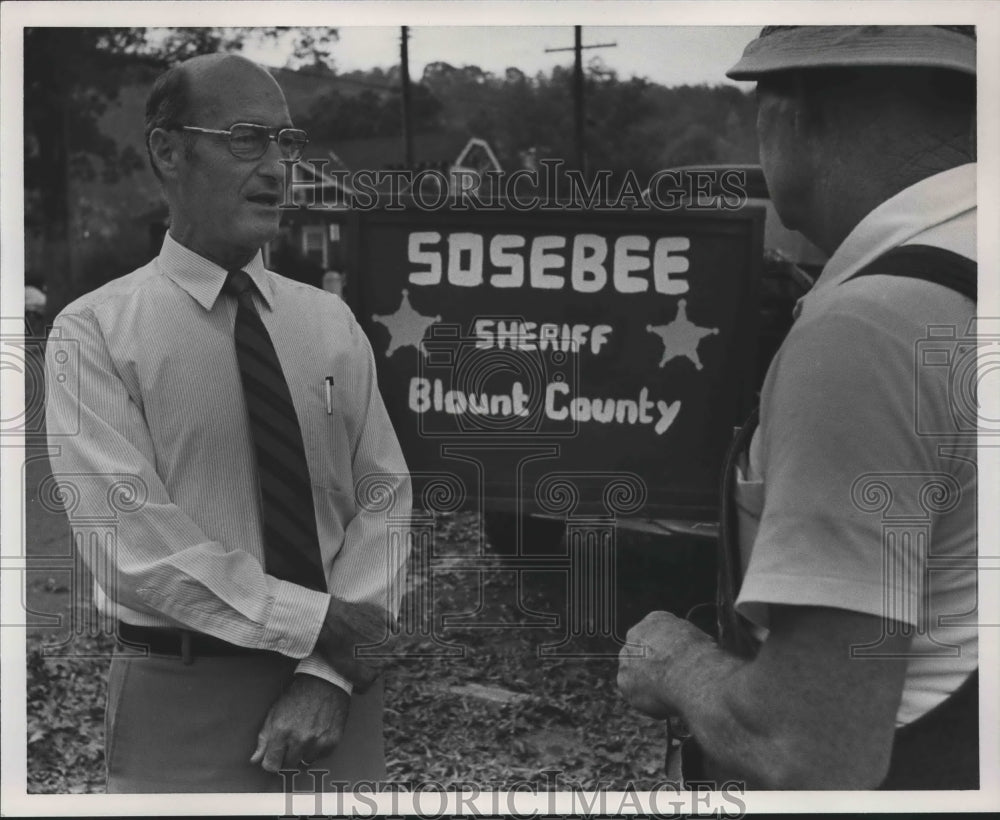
(662, 654)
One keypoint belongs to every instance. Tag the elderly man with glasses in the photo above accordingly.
(240, 410)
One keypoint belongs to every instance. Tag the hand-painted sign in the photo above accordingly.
(515, 346)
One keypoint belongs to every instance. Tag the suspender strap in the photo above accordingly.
(928, 263)
(733, 632)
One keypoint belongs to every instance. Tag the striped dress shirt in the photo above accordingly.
(152, 397)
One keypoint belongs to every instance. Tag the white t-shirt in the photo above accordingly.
(860, 490)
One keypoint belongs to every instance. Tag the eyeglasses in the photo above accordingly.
(249, 141)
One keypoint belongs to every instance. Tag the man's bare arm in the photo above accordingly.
(804, 714)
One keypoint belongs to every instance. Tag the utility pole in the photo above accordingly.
(404, 70)
(579, 112)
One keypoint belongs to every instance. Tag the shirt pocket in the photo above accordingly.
(749, 497)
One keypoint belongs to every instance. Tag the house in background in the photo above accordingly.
(323, 190)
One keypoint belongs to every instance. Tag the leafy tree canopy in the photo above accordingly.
(632, 124)
(65, 97)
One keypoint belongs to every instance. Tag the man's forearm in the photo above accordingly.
(347, 627)
(713, 692)
(742, 726)
(805, 713)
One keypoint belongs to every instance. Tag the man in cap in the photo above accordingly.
(850, 661)
(230, 420)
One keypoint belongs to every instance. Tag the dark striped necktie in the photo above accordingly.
(291, 543)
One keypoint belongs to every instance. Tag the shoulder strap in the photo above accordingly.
(932, 264)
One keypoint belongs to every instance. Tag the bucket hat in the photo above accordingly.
(788, 48)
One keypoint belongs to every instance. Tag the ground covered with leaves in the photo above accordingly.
(66, 698)
(476, 694)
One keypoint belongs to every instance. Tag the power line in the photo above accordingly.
(579, 116)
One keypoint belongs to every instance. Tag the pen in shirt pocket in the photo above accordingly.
(328, 387)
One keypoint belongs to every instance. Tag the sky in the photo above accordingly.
(667, 55)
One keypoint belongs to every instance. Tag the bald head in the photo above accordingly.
(213, 75)
(195, 88)
(206, 65)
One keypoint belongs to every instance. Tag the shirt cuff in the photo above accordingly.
(297, 615)
(313, 665)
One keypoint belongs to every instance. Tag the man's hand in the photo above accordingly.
(671, 645)
(305, 723)
(348, 626)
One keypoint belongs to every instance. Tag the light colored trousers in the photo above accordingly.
(172, 727)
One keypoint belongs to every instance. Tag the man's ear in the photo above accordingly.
(166, 151)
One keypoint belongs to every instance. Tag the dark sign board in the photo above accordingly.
(563, 362)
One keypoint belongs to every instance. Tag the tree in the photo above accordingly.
(632, 124)
(61, 134)
(370, 112)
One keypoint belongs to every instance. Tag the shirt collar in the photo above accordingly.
(202, 279)
(901, 218)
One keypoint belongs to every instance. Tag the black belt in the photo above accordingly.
(182, 643)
